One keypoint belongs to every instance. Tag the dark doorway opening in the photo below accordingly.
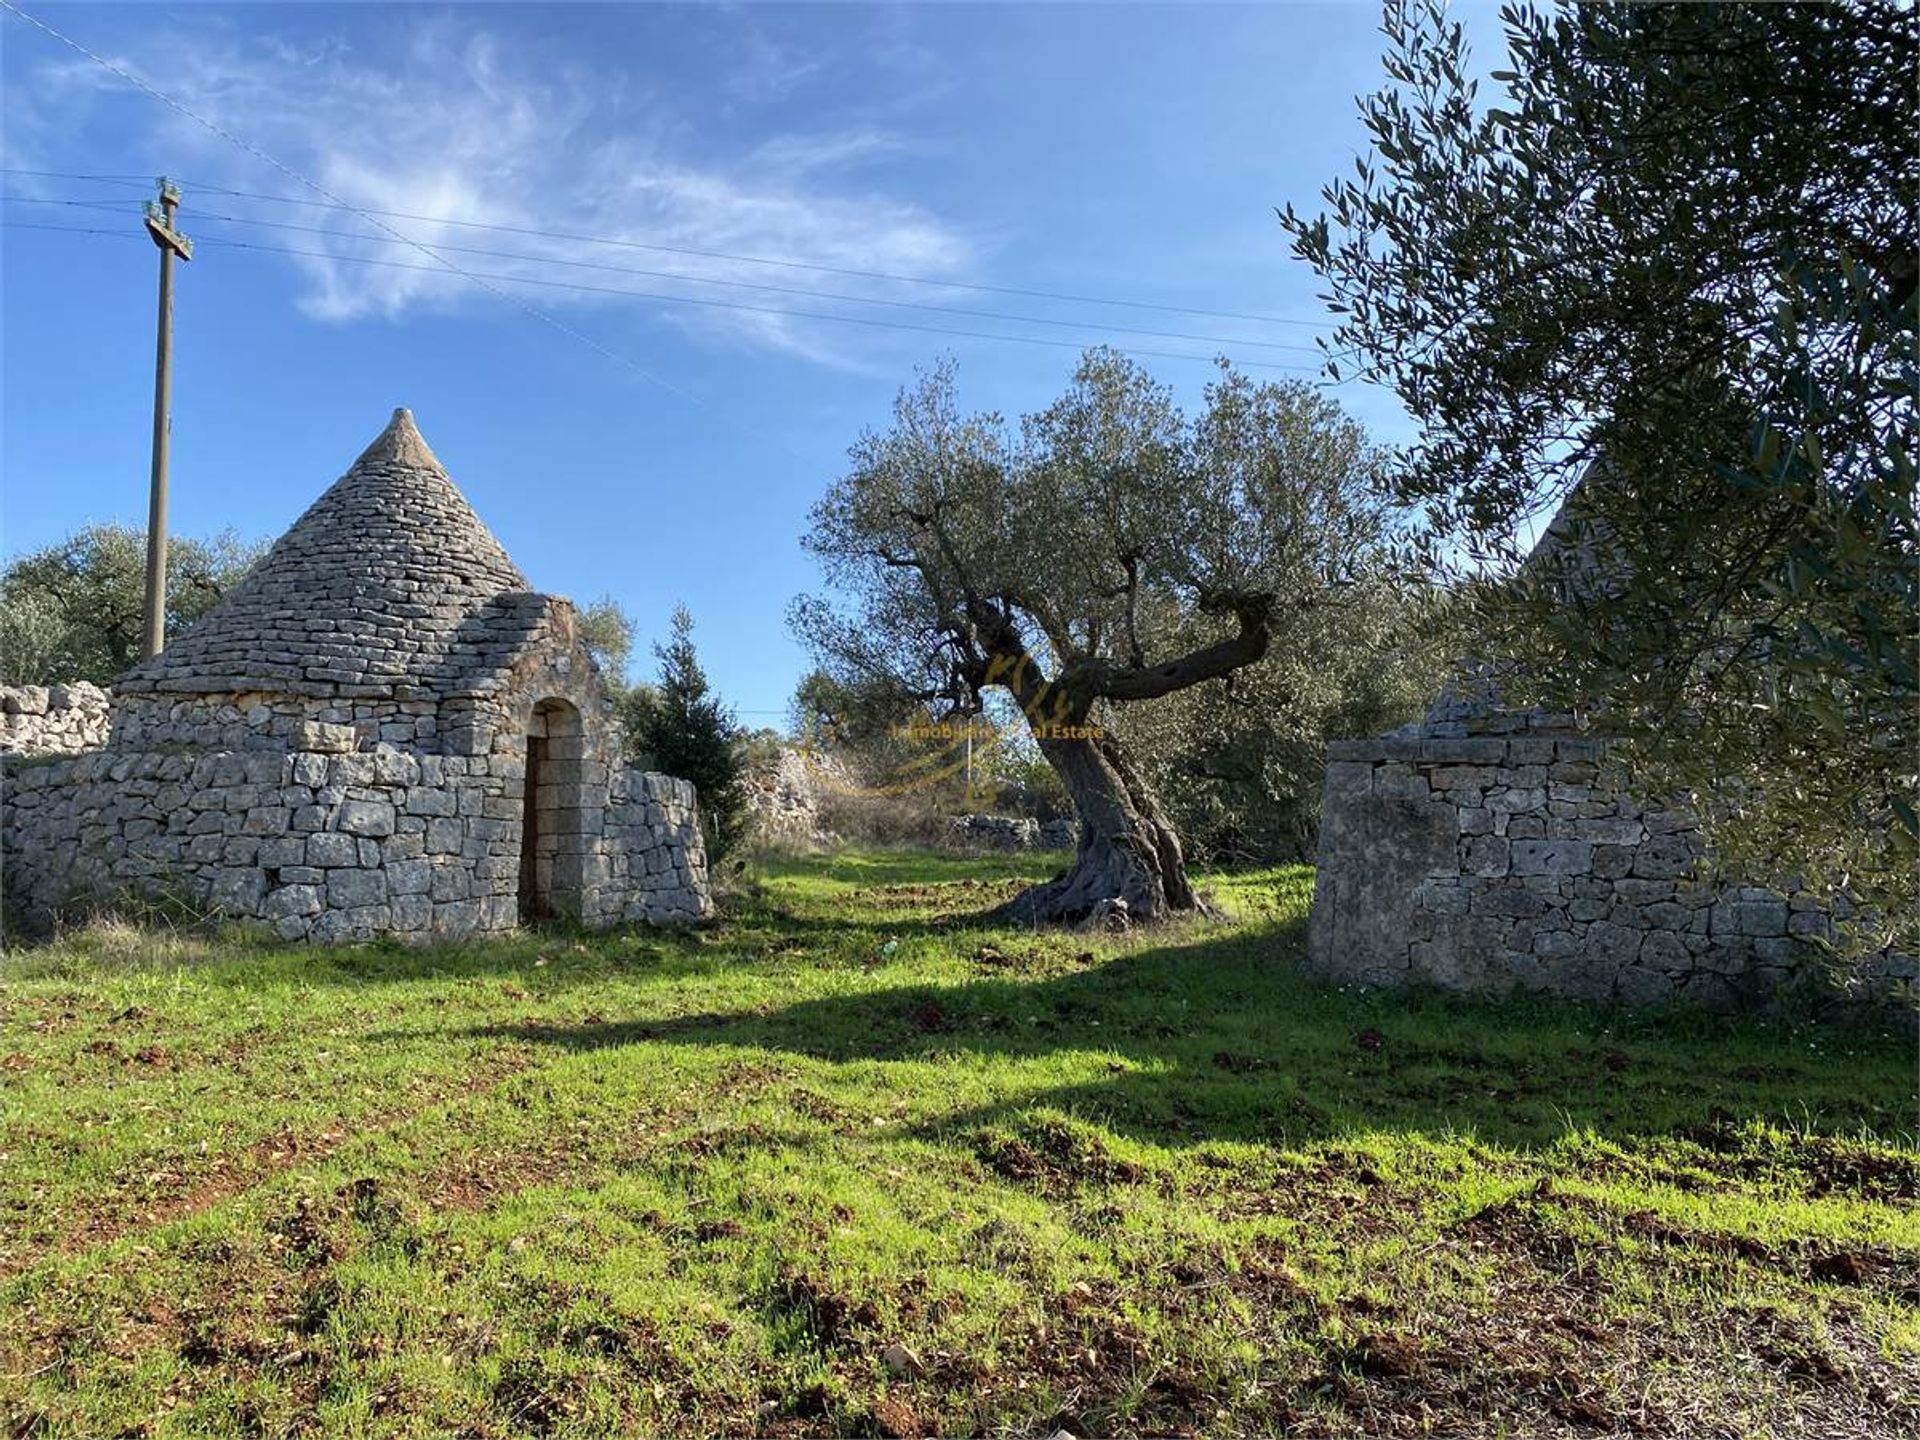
(552, 845)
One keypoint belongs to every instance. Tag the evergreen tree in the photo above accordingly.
(685, 730)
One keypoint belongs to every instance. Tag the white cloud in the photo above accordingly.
(448, 125)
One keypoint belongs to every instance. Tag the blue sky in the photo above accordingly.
(650, 450)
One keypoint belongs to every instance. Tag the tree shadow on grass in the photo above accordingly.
(1223, 1038)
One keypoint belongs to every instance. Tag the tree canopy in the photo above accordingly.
(606, 631)
(75, 610)
(1678, 257)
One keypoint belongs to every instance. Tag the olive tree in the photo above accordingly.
(75, 610)
(1109, 550)
(1675, 251)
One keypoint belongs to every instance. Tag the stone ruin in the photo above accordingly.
(383, 730)
(1489, 848)
(783, 796)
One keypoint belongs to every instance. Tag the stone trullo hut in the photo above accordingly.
(383, 730)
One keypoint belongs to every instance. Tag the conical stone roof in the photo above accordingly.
(388, 580)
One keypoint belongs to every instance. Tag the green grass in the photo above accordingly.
(849, 1163)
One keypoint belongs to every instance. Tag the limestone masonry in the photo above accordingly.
(381, 731)
(52, 719)
(1488, 850)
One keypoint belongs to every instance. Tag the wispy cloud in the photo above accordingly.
(450, 124)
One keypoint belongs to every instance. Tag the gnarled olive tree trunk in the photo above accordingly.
(1127, 849)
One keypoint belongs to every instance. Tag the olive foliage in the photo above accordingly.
(1676, 257)
(75, 610)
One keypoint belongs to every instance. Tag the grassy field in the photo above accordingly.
(848, 1163)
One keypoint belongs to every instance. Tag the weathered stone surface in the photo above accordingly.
(56, 720)
(371, 818)
(1552, 857)
(1557, 877)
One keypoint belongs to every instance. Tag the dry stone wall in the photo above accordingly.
(1488, 861)
(1014, 832)
(324, 845)
(52, 719)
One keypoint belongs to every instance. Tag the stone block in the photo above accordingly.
(266, 820)
(1400, 781)
(1347, 780)
(1611, 862)
(1610, 831)
(459, 918)
(237, 891)
(1510, 902)
(1517, 800)
(292, 900)
(409, 877)
(1471, 750)
(354, 889)
(394, 767)
(1641, 985)
(348, 771)
(1530, 750)
(330, 849)
(1484, 855)
(373, 818)
(1748, 918)
(1556, 943)
(321, 738)
(425, 800)
(1550, 857)
(1461, 777)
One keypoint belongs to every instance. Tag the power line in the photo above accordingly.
(331, 198)
(141, 180)
(710, 280)
(669, 299)
(738, 259)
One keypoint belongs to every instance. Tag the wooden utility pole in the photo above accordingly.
(171, 243)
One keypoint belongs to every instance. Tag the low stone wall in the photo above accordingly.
(322, 845)
(1490, 861)
(1014, 832)
(52, 719)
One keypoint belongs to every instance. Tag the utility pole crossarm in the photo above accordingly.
(160, 227)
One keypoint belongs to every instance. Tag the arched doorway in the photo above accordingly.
(552, 835)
